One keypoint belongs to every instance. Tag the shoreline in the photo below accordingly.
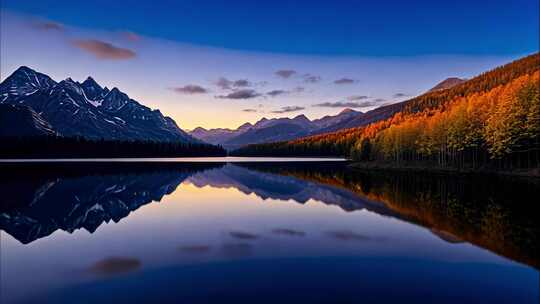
(521, 173)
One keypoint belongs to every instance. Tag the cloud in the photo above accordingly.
(344, 81)
(298, 89)
(285, 73)
(194, 249)
(190, 89)
(288, 109)
(288, 232)
(357, 97)
(226, 84)
(131, 36)
(400, 95)
(241, 83)
(275, 93)
(104, 50)
(50, 26)
(241, 94)
(346, 104)
(115, 265)
(380, 100)
(308, 78)
(249, 110)
(346, 235)
(243, 235)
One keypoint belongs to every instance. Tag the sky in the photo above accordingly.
(223, 63)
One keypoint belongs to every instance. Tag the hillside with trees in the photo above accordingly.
(80, 147)
(492, 120)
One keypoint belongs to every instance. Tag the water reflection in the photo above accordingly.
(115, 265)
(493, 213)
(262, 232)
(82, 196)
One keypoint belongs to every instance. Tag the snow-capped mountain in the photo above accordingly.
(86, 109)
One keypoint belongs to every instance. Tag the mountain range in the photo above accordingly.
(283, 129)
(70, 108)
(33, 104)
(271, 130)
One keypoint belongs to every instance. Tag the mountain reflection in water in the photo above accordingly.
(493, 213)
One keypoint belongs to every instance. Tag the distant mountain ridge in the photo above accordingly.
(86, 109)
(350, 139)
(268, 130)
(283, 129)
(447, 84)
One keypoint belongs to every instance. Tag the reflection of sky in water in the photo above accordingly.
(200, 224)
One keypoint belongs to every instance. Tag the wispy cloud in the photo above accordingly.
(275, 93)
(249, 110)
(288, 109)
(400, 95)
(50, 26)
(104, 50)
(241, 83)
(357, 97)
(344, 81)
(243, 235)
(241, 94)
(190, 89)
(288, 232)
(285, 73)
(226, 84)
(308, 78)
(347, 104)
(131, 36)
(379, 100)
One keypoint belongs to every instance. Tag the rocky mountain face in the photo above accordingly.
(22, 121)
(270, 130)
(86, 109)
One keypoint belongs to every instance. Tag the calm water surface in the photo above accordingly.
(262, 232)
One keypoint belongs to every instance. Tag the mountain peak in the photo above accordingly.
(244, 126)
(347, 110)
(115, 90)
(301, 117)
(447, 84)
(24, 69)
(70, 107)
(92, 89)
(198, 129)
(26, 80)
(90, 82)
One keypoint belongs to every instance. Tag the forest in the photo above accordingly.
(492, 120)
(78, 147)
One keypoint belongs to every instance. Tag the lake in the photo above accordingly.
(262, 231)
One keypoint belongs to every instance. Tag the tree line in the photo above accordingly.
(79, 147)
(492, 120)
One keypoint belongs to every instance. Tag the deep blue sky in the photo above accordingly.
(373, 28)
